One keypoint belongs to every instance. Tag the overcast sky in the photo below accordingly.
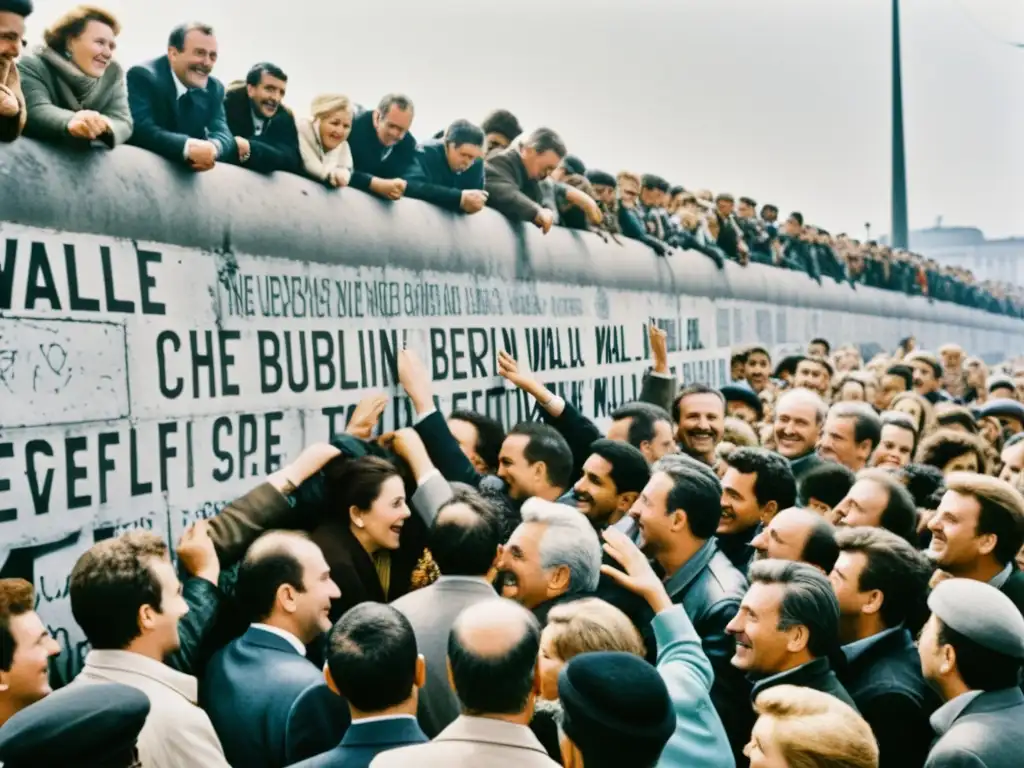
(783, 100)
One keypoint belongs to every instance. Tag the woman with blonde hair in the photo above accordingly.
(75, 90)
(804, 728)
(323, 140)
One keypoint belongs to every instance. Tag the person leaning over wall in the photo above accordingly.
(74, 88)
(323, 140)
(12, 32)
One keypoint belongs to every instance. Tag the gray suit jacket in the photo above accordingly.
(428, 498)
(472, 742)
(985, 734)
(432, 611)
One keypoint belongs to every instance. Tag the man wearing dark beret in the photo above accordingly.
(972, 652)
(743, 403)
(90, 726)
(651, 209)
(12, 103)
(604, 186)
(1009, 412)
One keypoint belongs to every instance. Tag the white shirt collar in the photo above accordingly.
(297, 644)
(179, 86)
(381, 718)
(476, 579)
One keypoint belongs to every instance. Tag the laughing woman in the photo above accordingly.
(370, 539)
(74, 89)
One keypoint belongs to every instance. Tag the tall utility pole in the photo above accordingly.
(900, 235)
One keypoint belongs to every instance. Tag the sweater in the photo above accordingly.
(318, 163)
(55, 89)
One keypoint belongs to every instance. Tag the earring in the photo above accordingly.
(360, 523)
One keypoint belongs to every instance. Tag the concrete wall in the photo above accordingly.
(166, 339)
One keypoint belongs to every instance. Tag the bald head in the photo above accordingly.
(800, 535)
(492, 656)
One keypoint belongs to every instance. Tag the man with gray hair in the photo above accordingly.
(553, 557)
(799, 416)
(513, 178)
(851, 433)
(787, 626)
(382, 147)
(449, 172)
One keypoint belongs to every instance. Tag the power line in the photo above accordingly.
(982, 29)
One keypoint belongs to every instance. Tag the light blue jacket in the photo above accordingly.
(699, 738)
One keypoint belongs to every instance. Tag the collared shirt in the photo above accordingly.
(381, 718)
(179, 86)
(856, 649)
(471, 579)
(295, 643)
(259, 123)
(999, 580)
(942, 719)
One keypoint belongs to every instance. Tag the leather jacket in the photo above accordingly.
(710, 589)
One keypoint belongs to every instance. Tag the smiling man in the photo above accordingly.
(450, 172)
(177, 107)
(878, 500)
(799, 417)
(268, 702)
(850, 434)
(897, 442)
(799, 535)
(757, 484)
(613, 476)
(26, 648)
(554, 556)
(264, 128)
(977, 531)
(786, 626)
(12, 32)
(699, 413)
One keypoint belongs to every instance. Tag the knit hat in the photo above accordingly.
(617, 709)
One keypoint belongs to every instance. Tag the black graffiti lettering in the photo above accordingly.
(75, 301)
(439, 354)
(7, 273)
(295, 384)
(612, 392)
(611, 344)
(202, 360)
(167, 451)
(39, 267)
(383, 298)
(350, 298)
(333, 427)
(458, 337)
(40, 495)
(236, 440)
(170, 391)
(323, 357)
(73, 472)
(343, 380)
(270, 351)
(227, 360)
(479, 349)
(106, 465)
(483, 301)
(147, 282)
(114, 304)
(7, 515)
(137, 488)
(544, 349)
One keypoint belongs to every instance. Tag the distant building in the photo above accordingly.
(1001, 260)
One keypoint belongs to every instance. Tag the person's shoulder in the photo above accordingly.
(149, 69)
(404, 756)
(33, 63)
(725, 580)
(215, 88)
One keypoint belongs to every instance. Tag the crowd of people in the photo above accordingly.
(71, 90)
(816, 566)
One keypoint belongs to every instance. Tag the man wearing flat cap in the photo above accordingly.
(1009, 412)
(743, 403)
(12, 103)
(972, 652)
(91, 726)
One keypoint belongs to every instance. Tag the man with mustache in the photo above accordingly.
(977, 532)
(799, 416)
(699, 414)
(264, 128)
(613, 476)
(12, 103)
(177, 108)
(928, 375)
